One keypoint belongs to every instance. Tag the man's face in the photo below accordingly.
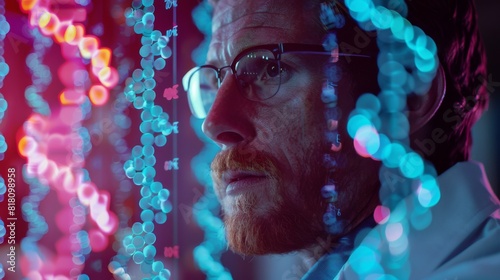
(270, 170)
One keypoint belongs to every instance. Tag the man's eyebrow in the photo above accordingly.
(217, 62)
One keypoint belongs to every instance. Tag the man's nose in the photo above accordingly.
(227, 122)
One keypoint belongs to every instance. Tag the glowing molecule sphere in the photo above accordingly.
(381, 214)
(88, 46)
(428, 192)
(108, 76)
(26, 145)
(363, 260)
(98, 95)
(27, 5)
(98, 240)
(49, 23)
(70, 34)
(101, 58)
(412, 165)
(366, 141)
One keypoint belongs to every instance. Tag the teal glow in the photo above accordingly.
(136, 229)
(162, 42)
(149, 174)
(360, 9)
(421, 221)
(355, 123)
(359, 6)
(149, 95)
(159, 63)
(166, 52)
(396, 125)
(138, 164)
(155, 36)
(149, 84)
(138, 242)
(83, 277)
(398, 27)
(408, 63)
(145, 50)
(148, 226)
(163, 194)
(412, 165)
(367, 142)
(160, 218)
(166, 207)
(138, 178)
(392, 101)
(392, 154)
(156, 187)
(145, 192)
(383, 143)
(149, 252)
(165, 274)
(399, 214)
(148, 150)
(127, 240)
(381, 17)
(208, 254)
(425, 65)
(160, 140)
(150, 238)
(157, 266)
(148, 19)
(150, 160)
(155, 202)
(130, 249)
(138, 257)
(147, 3)
(429, 193)
(139, 28)
(4, 69)
(392, 74)
(369, 101)
(3, 104)
(147, 215)
(363, 260)
(145, 202)
(409, 35)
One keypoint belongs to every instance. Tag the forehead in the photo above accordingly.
(239, 24)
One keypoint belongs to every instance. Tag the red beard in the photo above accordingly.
(294, 219)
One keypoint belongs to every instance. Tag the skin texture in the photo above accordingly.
(281, 139)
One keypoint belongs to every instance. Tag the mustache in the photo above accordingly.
(244, 158)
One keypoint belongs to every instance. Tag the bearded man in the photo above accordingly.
(276, 94)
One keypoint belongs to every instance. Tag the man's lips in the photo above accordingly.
(239, 181)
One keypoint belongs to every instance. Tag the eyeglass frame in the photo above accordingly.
(276, 49)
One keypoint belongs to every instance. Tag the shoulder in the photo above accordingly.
(477, 259)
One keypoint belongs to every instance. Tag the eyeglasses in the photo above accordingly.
(259, 73)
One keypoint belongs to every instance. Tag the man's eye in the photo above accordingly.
(286, 72)
(272, 70)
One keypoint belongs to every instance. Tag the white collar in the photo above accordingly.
(466, 202)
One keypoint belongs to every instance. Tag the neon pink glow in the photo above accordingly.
(393, 232)
(98, 241)
(381, 214)
(366, 141)
(50, 142)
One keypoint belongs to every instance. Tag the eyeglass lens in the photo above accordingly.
(257, 73)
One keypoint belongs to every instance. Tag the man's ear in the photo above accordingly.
(421, 108)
